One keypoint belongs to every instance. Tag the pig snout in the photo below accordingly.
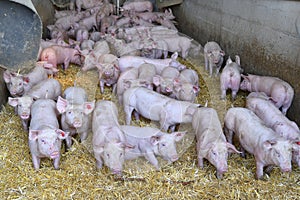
(24, 116)
(169, 89)
(54, 154)
(117, 171)
(77, 123)
(174, 158)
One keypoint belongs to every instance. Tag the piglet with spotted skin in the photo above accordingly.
(44, 134)
(76, 113)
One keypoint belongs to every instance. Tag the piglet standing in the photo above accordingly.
(76, 113)
(281, 92)
(213, 56)
(44, 133)
(231, 77)
(277, 121)
(23, 105)
(109, 143)
(109, 71)
(211, 141)
(150, 142)
(61, 55)
(268, 148)
(46, 89)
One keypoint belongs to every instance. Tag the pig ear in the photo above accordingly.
(190, 110)
(61, 105)
(156, 80)
(116, 67)
(174, 56)
(7, 76)
(237, 60)
(89, 107)
(127, 83)
(99, 148)
(228, 61)
(155, 140)
(245, 77)
(127, 147)
(61, 134)
(268, 144)
(296, 145)
(33, 134)
(232, 148)
(196, 89)
(26, 79)
(222, 53)
(179, 135)
(13, 101)
(50, 27)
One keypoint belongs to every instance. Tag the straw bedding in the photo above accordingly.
(78, 177)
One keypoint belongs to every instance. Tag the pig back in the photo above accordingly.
(105, 114)
(249, 129)
(43, 114)
(75, 95)
(206, 124)
(38, 74)
(47, 89)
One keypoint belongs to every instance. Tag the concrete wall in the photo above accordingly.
(266, 35)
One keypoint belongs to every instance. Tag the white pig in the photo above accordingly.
(211, 141)
(160, 64)
(157, 107)
(274, 119)
(230, 77)
(213, 56)
(18, 84)
(23, 105)
(150, 142)
(109, 143)
(46, 89)
(255, 137)
(44, 133)
(281, 92)
(186, 87)
(165, 82)
(76, 113)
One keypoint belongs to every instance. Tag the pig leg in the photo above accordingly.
(164, 125)
(36, 162)
(66, 63)
(206, 62)
(285, 107)
(136, 115)
(101, 86)
(259, 170)
(269, 169)
(25, 124)
(223, 93)
(228, 134)
(83, 136)
(128, 112)
(56, 162)
(152, 159)
(69, 142)
(211, 66)
(233, 94)
(217, 70)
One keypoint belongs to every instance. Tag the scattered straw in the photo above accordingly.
(78, 177)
